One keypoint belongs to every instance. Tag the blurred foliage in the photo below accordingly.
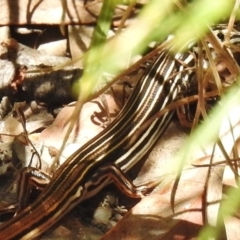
(155, 22)
(188, 21)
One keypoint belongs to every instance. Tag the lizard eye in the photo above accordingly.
(220, 36)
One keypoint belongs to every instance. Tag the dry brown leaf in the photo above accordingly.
(153, 219)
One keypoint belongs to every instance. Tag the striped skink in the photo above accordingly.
(106, 157)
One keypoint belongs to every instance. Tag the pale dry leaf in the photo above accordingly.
(12, 127)
(56, 48)
(88, 126)
(231, 121)
(51, 12)
(229, 178)
(232, 226)
(214, 194)
(79, 38)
